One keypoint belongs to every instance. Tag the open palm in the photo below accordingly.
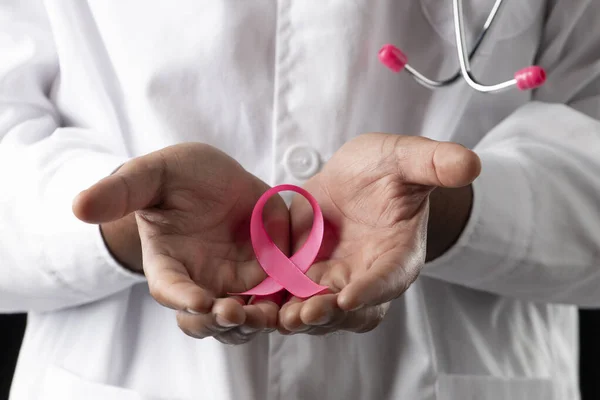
(193, 205)
(374, 197)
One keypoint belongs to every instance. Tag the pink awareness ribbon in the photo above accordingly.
(283, 272)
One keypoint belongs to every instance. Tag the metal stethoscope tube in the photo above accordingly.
(525, 79)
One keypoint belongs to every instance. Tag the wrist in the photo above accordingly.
(122, 240)
(449, 212)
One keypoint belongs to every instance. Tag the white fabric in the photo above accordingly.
(280, 86)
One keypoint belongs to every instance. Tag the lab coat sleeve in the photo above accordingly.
(534, 231)
(48, 259)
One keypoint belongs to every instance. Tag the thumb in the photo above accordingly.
(133, 186)
(428, 162)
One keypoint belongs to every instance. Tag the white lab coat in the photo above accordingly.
(280, 86)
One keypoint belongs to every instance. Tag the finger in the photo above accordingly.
(289, 316)
(364, 320)
(303, 315)
(171, 285)
(134, 186)
(320, 315)
(261, 317)
(226, 314)
(388, 278)
(428, 162)
(229, 312)
(320, 310)
(270, 311)
(360, 321)
(233, 337)
(258, 317)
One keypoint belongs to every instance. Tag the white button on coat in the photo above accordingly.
(302, 162)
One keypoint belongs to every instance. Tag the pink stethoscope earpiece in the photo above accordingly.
(530, 77)
(392, 57)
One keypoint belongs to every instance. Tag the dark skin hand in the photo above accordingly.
(191, 205)
(375, 196)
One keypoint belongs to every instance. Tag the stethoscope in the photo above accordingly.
(524, 79)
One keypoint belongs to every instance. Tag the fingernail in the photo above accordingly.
(325, 318)
(224, 323)
(358, 307)
(246, 330)
(190, 311)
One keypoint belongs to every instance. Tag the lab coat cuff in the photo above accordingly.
(497, 235)
(88, 269)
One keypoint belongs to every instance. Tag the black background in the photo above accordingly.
(11, 333)
(589, 334)
(12, 326)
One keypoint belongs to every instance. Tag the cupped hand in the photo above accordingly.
(374, 196)
(192, 205)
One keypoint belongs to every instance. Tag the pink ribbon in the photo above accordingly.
(283, 272)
